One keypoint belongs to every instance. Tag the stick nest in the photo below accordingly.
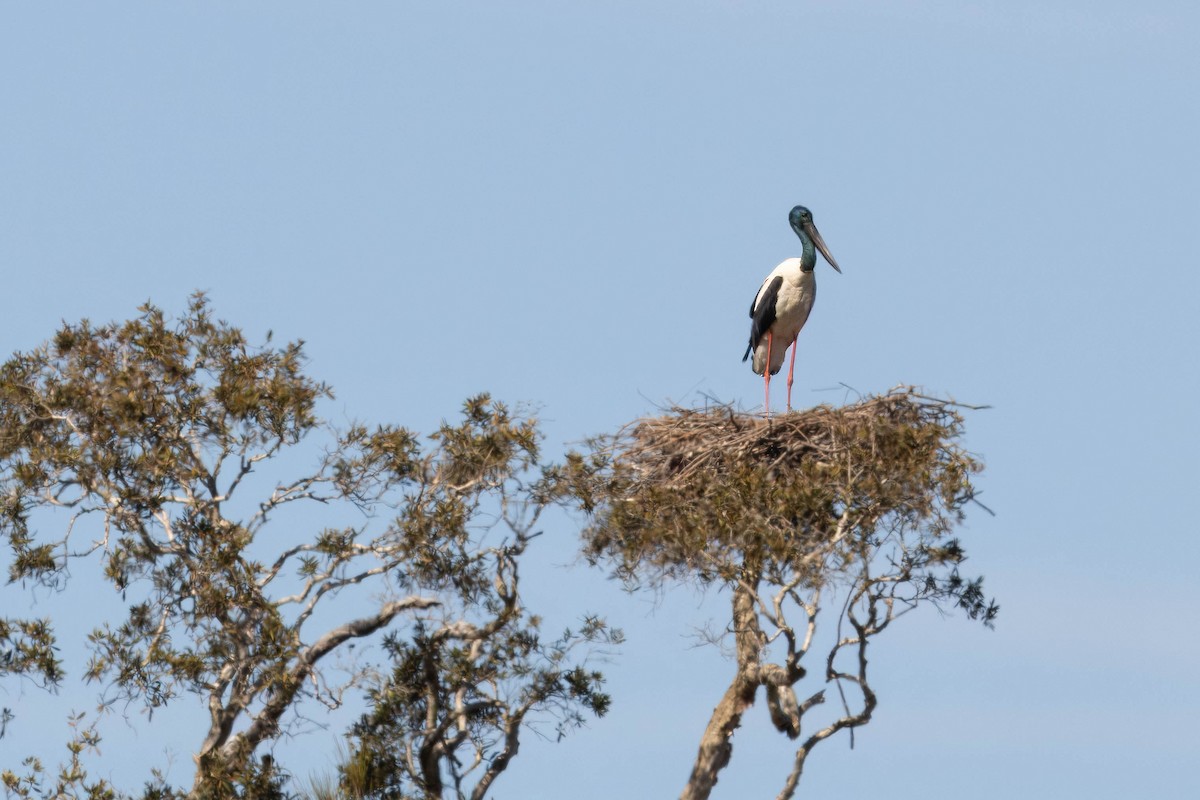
(685, 445)
(693, 489)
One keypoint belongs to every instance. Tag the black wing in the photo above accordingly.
(762, 313)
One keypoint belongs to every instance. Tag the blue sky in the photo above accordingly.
(572, 205)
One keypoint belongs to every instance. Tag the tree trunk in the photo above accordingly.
(716, 746)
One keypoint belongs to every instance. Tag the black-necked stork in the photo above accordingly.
(782, 305)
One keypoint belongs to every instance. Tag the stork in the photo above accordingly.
(782, 305)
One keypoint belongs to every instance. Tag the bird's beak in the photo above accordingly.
(820, 243)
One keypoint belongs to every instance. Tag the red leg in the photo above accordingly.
(767, 380)
(791, 370)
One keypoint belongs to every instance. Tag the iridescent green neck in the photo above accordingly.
(808, 258)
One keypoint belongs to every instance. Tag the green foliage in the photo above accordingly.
(27, 648)
(453, 692)
(449, 715)
(127, 443)
(71, 780)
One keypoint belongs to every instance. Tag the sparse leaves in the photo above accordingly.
(133, 444)
(27, 648)
(448, 717)
(71, 781)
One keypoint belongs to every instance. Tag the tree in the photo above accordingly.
(832, 517)
(166, 455)
(141, 441)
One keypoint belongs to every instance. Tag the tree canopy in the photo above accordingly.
(144, 436)
(192, 473)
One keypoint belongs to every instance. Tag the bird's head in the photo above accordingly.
(801, 220)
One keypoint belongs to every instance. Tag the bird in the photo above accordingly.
(782, 305)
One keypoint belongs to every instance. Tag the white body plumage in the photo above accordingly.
(782, 305)
(793, 303)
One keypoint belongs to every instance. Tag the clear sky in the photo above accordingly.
(572, 205)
